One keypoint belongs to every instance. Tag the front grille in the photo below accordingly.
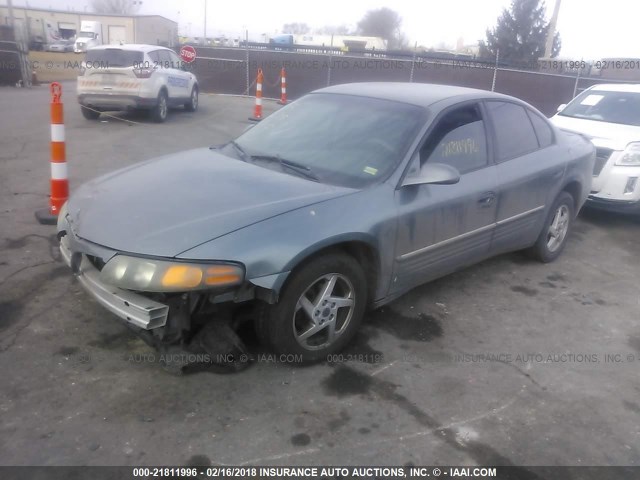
(602, 155)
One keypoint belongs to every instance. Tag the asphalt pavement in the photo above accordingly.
(510, 362)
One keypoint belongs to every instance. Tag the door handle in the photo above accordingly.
(487, 199)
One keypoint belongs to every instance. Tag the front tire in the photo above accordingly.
(89, 114)
(192, 104)
(319, 311)
(553, 237)
(161, 109)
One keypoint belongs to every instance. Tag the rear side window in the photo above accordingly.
(167, 60)
(114, 57)
(542, 128)
(458, 140)
(164, 56)
(514, 132)
(175, 59)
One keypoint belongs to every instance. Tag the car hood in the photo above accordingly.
(165, 206)
(603, 134)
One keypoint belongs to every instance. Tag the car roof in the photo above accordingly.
(617, 87)
(138, 47)
(419, 94)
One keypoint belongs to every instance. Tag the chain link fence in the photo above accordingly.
(14, 55)
(233, 70)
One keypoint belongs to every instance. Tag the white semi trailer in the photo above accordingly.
(90, 35)
(41, 33)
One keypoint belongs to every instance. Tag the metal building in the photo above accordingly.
(43, 26)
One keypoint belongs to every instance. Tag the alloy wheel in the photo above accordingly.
(558, 228)
(323, 311)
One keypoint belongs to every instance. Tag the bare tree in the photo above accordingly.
(122, 7)
(296, 28)
(384, 23)
(334, 30)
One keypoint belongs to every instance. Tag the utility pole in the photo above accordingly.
(22, 47)
(11, 22)
(552, 30)
(205, 23)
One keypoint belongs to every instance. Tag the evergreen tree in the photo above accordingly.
(520, 34)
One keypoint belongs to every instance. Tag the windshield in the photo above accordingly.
(86, 34)
(114, 57)
(343, 140)
(606, 106)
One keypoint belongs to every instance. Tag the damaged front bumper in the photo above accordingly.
(191, 323)
(131, 307)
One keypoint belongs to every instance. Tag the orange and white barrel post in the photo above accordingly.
(59, 176)
(283, 87)
(257, 109)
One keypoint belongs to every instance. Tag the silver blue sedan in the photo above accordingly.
(341, 201)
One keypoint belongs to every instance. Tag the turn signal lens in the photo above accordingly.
(223, 275)
(182, 276)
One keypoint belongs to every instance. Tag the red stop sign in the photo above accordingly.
(188, 53)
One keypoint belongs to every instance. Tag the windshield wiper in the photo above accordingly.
(244, 155)
(290, 164)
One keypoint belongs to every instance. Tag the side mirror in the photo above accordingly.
(561, 107)
(434, 174)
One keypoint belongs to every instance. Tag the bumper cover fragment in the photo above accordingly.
(131, 307)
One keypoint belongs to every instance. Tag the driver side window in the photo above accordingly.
(458, 140)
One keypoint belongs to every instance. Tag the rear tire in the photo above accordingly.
(319, 310)
(89, 114)
(557, 226)
(161, 109)
(192, 104)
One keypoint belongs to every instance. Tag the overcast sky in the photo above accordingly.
(589, 30)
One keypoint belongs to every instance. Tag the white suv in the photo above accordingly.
(126, 77)
(610, 116)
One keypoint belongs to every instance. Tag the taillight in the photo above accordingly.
(143, 72)
(82, 69)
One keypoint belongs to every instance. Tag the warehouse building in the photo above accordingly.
(41, 26)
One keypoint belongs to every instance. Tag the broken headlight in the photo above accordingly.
(150, 275)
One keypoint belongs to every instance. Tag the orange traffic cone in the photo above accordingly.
(257, 109)
(59, 176)
(283, 87)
